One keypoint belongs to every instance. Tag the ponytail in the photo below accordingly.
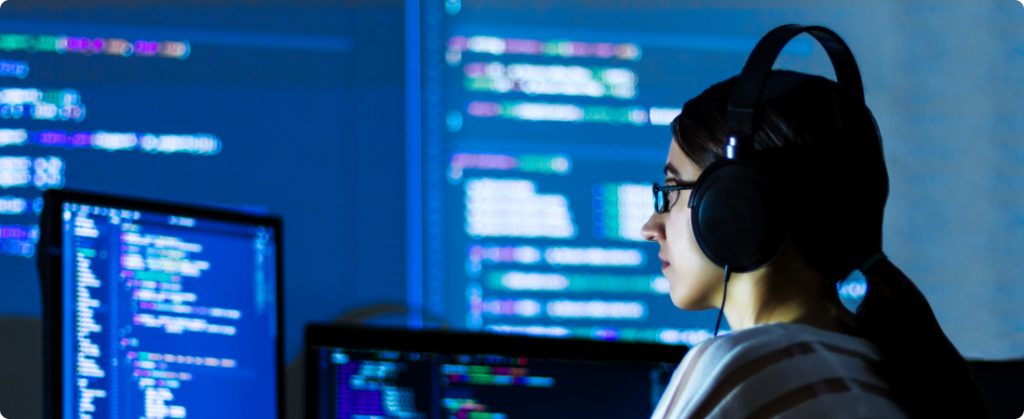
(928, 376)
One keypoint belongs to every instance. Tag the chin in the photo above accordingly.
(691, 296)
(692, 290)
(686, 302)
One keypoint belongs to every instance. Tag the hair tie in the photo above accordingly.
(872, 261)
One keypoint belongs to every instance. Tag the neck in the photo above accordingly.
(785, 291)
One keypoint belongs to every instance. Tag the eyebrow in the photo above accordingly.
(670, 169)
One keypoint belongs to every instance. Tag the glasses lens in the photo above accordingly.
(660, 199)
(657, 198)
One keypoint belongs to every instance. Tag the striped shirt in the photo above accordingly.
(785, 370)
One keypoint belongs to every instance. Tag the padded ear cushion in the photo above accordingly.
(736, 218)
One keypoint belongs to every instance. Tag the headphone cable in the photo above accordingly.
(725, 289)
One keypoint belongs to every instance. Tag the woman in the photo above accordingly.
(794, 350)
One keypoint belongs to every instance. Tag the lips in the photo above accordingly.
(664, 263)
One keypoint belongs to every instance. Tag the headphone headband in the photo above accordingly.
(743, 106)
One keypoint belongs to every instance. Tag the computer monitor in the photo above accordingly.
(359, 372)
(158, 310)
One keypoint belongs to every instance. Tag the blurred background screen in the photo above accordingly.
(542, 125)
(487, 164)
(247, 104)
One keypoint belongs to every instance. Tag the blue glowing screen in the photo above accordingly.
(167, 316)
(536, 129)
(240, 104)
(387, 133)
(359, 383)
(540, 138)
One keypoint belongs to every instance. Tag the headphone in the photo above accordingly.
(737, 214)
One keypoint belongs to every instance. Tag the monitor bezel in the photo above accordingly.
(50, 265)
(464, 342)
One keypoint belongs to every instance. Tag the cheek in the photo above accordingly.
(679, 235)
(692, 276)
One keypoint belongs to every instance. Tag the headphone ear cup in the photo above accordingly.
(737, 219)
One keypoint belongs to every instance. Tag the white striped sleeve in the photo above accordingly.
(776, 369)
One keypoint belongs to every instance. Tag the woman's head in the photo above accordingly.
(818, 142)
(821, 147)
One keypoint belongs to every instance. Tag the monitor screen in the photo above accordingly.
(358, 373)
(160, 311)
(541, 130)
(537, 127)
(244, 103)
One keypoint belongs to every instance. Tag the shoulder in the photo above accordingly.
(777, 368)
(788, 353)
(784, 340)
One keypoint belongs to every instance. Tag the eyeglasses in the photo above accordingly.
(662, 200)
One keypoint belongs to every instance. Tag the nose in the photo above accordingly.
(654, 229)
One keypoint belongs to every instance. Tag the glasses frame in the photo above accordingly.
(665, 203)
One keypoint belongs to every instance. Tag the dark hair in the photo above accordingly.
(820, 140)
